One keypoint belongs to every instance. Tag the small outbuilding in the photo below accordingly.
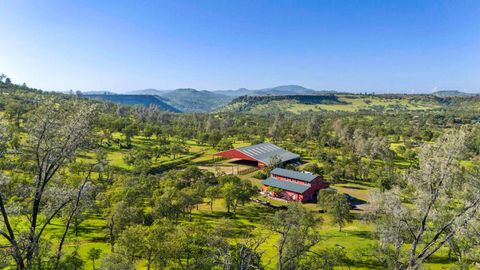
(292, 185)
(262, 153)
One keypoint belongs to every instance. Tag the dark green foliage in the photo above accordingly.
(94, 254)
(144, 100)
(251, 101)
(337, 205)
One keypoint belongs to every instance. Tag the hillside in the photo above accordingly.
(453, 93)
(273, 91)
(144, 100)
(340, 102)
(148, 91)
(191, 100)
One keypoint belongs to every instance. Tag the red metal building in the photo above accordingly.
(292, 185)
(262, 153)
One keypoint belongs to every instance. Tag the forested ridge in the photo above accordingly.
(86, 184)
(337, 102)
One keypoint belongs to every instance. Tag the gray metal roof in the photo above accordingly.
(285, 185)
(264, 152)
(307, 177)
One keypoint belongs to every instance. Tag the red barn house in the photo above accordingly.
(262, 153)
(292, 185)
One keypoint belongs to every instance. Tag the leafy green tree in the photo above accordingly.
(160, 151)
(93, 255)
(245, 254)
(385, 177)
(188, 246)
(214, 138)
(54, 136)
(212, 192)
(325, 197)
(140, 159)
(3, 140)
(236, 191)
(337, 205)
(274, 162)
(313, 168)
(102, 162)
(129, 131)
(296, 228)
(326, 259)
(313, 127)
(340, 210)
(145, 243)
(170, 202)
(437, 183)
(229, 192)
(15, 110)
(148, 131)
(116, 261)
(224, 144)
(177, 149)
(71, 261)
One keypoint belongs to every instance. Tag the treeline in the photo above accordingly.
(248, 101)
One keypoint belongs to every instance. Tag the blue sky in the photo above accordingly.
(393, 46)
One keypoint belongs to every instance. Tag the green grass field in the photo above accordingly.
(355, 237)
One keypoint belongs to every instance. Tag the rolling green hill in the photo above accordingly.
(144, 100)
(191, 100)
(453, 93)
(282, 90)
(347, 103)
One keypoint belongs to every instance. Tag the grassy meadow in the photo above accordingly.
(354, 239)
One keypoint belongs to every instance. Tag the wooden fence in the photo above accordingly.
(247, 170)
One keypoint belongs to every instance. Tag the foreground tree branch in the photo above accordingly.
(445, 200)
(55, 133)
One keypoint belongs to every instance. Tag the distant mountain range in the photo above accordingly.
(282, 90)
(192, 100)
(453, 93)
(149, 91)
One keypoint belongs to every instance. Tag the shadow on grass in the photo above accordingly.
(84, 156)
(360, 234)
(352, 187)
(359, 182)
(248, 218)
(356, 201)
(441, 260)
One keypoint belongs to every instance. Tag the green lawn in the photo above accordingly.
(355, 238)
